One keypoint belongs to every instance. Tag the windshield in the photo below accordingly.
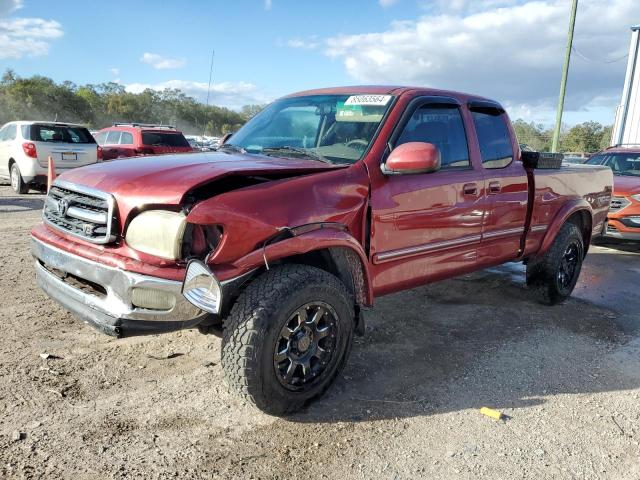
(335, 128)
(620, 163)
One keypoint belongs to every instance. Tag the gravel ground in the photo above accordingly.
(406, 406)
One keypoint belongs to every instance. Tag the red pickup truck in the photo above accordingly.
(321, 203)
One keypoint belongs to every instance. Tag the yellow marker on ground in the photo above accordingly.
(490, 412)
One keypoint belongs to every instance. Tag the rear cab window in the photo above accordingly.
(493, 137)
(60, 134)
(163, 139)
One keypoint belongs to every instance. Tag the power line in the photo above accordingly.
(592, 60)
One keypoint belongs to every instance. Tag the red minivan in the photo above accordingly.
(133, 139)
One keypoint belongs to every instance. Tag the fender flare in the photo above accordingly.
(567, 210)
(321, 239)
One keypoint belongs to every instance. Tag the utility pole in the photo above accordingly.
(563, 82)
(213, 53)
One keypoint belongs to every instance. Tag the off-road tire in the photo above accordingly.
(255, 323)
(543, 273)
(17, 183)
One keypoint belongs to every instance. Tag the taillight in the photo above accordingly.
(100, 155)
(30, 149)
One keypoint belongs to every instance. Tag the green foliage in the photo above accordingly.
(97, 106)
(587, 137)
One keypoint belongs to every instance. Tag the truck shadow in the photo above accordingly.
(22, 204)
(478, 340)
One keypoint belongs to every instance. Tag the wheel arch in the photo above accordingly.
(578, 212)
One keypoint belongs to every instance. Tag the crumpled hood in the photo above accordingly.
(625, 186)
(165, 179)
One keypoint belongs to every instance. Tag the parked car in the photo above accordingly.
(134, 139)
(574, 160)
(624, 213)
(26, 146)
(321, 203)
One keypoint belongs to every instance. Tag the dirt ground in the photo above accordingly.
(406, 406)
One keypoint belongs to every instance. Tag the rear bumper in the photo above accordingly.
(102, 295)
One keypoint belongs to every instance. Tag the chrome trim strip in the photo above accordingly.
(426, 248)
(87, 215)
(94, 193)
(539, 228)
(503, 233)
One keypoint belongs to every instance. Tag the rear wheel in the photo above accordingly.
(17, 183)
(287, 337)
(553, 276)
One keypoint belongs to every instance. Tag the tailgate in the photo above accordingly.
(67, 155)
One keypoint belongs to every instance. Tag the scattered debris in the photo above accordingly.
(490, 412)
(60, 394)
(617, 425)
(208, 364)
(16, 436)
(49, 356)
(166, 357)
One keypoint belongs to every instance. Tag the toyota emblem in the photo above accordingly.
(63, 206)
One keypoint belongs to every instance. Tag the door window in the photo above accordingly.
(442, 126)
(494, 138)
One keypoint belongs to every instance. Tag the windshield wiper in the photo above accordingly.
(301, 151)
(233, 148)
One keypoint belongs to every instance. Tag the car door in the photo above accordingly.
(428, 226)
(505, 183)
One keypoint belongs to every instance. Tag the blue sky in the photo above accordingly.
(511, 50)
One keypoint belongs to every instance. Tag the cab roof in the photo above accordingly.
(389, 90)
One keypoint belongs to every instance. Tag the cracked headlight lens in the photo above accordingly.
(157, 232)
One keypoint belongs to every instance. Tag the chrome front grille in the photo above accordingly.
(80, 211)
(618, 203)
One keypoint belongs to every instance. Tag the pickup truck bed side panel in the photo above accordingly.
(559, 194)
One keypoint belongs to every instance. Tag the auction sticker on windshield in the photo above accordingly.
(368, 100)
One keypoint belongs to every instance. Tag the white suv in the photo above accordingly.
(26, 146)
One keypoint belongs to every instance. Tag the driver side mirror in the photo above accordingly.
(412, 157)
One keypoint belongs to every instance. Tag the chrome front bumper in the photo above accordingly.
(102, 295)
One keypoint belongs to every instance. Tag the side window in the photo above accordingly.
(494, 139)
(25, 132)
(113, 137)
(100, 137)
(11, 132)
(442, 126)
(126, 139)
(3, 131)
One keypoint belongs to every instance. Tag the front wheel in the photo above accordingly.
(17, 183)
(287, 337)
(553, 276)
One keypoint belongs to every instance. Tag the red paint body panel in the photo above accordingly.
(422, 228)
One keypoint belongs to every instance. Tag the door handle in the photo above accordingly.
(470, 189)
(495, 187)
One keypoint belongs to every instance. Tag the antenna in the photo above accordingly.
(204, 127)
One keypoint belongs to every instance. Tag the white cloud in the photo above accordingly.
(21, 37)
(511, 52)
(162, 63)
(387, 3)
(228, 94)
(115, 71)
(268, 4)
(308, 44)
